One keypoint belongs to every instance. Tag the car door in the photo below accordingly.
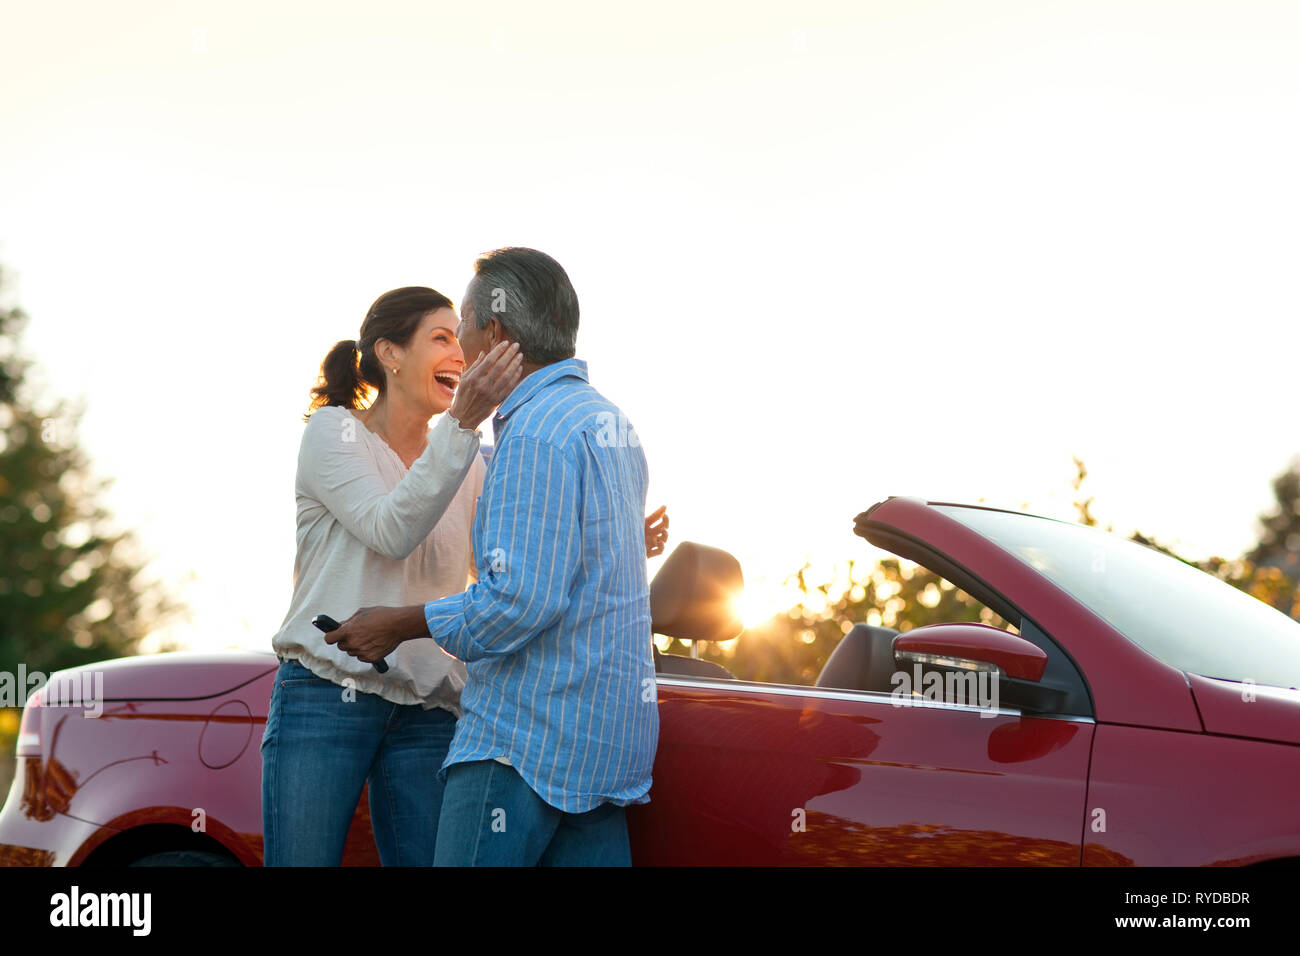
(783, 775)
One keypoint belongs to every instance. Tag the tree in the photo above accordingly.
(1279, 528)
(1269, 571)
(70, 588)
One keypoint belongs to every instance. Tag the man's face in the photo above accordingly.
(473, 340)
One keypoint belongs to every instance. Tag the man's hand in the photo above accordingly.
(372, 633)
(656, 531)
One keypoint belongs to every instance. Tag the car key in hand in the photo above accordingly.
(327, 623)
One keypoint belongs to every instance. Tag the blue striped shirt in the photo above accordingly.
(555, 635)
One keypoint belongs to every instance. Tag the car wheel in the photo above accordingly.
(184, 858)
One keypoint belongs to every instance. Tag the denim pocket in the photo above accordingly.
(293, 674)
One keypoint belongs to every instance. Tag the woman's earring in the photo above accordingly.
(394, 371)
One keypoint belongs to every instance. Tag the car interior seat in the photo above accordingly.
(691, 599)
(863, 660)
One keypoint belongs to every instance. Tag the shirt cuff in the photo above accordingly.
(455, 424)
(444, 618)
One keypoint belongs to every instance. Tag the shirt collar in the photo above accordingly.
(533, 383)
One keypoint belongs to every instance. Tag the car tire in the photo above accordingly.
(184, 858)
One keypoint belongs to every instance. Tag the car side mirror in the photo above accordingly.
(967, 646)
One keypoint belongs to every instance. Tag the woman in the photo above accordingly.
(384, 510)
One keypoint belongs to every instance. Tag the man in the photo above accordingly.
(560, 707)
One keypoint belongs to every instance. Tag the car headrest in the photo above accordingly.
(691, 595)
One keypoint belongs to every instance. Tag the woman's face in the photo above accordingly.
(430, 365)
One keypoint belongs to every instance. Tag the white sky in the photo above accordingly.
(825, 253)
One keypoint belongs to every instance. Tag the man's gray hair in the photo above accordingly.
(529, 293)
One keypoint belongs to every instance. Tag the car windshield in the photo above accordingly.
(1177, 613)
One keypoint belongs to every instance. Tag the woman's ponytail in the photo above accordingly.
(340, 381)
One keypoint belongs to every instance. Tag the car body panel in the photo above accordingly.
(1177, 799)
(1247, 710)
(741, 767)
(179, 675)
(190, 762)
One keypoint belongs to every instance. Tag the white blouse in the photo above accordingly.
(371, 532)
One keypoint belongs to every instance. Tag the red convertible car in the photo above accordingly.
(1140, 713)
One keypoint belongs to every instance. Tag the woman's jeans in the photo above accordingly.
(320, 747)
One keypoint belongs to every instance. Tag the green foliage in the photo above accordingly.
(1275, 560)
(69, 585)
(1279, 536)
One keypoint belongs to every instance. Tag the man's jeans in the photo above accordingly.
(490, 817)
(318, 751)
